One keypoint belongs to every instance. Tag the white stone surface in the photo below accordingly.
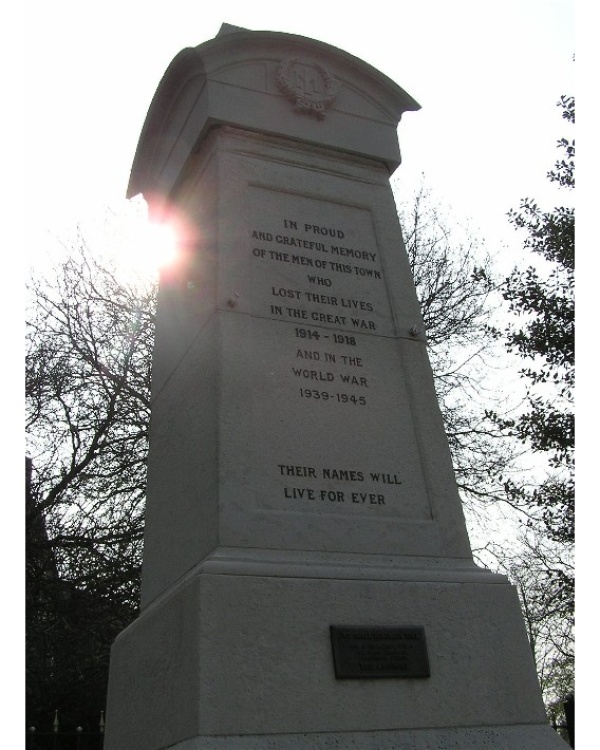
(223, 655)
(293, 422)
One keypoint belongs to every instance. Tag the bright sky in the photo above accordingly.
(487, 75)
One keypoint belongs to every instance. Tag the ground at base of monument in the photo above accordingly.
(467, 738)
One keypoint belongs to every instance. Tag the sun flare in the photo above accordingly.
(158, 246)
(146, 245)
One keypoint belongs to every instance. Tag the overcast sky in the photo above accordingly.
(487, 75)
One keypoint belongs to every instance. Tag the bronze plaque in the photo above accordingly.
(379, 652)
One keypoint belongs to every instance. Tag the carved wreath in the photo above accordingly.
(315, 103)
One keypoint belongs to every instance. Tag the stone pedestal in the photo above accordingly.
(299, 475)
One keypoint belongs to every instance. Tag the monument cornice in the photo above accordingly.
(242, 79)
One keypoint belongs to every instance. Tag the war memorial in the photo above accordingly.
(308, 580)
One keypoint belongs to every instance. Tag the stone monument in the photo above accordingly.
(308, 580)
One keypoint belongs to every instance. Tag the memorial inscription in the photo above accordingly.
(333, 303)
(315, 280)
(379, 652)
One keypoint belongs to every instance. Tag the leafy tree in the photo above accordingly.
(543, 299)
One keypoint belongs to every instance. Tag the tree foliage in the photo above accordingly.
(544, 301)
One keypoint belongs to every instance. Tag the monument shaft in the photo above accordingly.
(301, 499)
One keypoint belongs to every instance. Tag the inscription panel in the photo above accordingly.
(379, 652)
(325, 422)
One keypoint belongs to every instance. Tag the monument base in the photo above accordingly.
(239, 655)
(488, 738)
